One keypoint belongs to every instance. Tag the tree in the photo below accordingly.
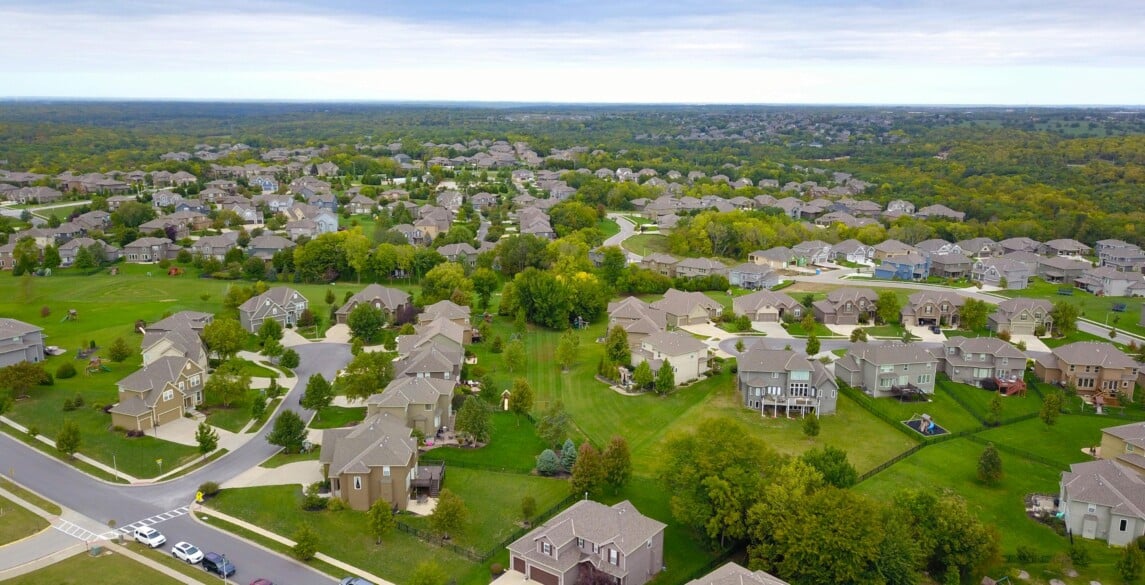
(474, 420)
(974, 314)
(554, 424)
(616, 348)
(567, 349)
(858, 334)
(289, 358)
(528, 507)
(450, 514)
(548, 463)
(305, 543)
(1065, 315)
(588, 471)
(367, 374)
(642, 376)
(1131, 563)
(994, 414)
(521, 323)
(224, 337)
(380, 519)
(811, 426)
(366, 321)
(1051, 408)
(207, 438)
(51, 256)
(568, 455)
(521, 398)
(665, 378)
(446, 281)
(68, 439)
(270, 330)
(289, 432)
(515, 355)
(84, 259)
(990, 465)
(428, 573)
(330, 296)
(228, 384)
(612, 265)
(485, 283)
(887, 307)
(20, 377)
(273, 348)
(812, 344)
(948, 535)
(119, 350)
(318, 394)
(831, 463)
(617, 463)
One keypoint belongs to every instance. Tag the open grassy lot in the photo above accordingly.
(979, 399)
(333, 417)
(645, 244)
(343, 535)
(16, 522)
(1064, 442)
(107, 569)
(608, 227)
(513, 445)
(494, 503)
(279, 459)
(1099, 309)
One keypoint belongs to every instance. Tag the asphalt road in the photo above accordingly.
(103, 501)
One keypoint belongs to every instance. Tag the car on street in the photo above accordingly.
(354, 581)
(218, 564)
(261, 582)
(185, 551)
(149, 536)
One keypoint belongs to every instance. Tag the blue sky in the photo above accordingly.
(715, 51)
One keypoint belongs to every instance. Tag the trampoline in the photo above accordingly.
(925, 426)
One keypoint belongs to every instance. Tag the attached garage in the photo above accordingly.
(519, 565)
(543, 577)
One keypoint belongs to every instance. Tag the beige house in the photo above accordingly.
(846, 306)
(1021, 316)
(660, 263)
(160, 392)
(388, 300)
(932, 307)
(733, 574)
(688, 308)
(591, 542)
(1092, 367)
(1103, 500)
(687, 355)
(700, 267)
(1126, 445)
(423, 403)
(375, 459)
(767, 306)
(637, 318)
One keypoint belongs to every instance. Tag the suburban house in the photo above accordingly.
(265, 246)
(937, 247)
(768, 306)
(590, 538)
(1064, 247)
(1121, 256)
(939, 211)
(1107, 281)
(888, 369)
(980, 248)
(733, 574)
(908, 267)
(1103, 500)
(1062, 269)
(1091, 367)
(888, 249)
(283, 304)
(852, 251)
(688, 308)
(160, 392)
(388, 300)
(423, 403)
(973, 360)
(147, 250)
(1020, 244)
(700, 267)
(461, 253)
(434, 351)
(445, 310)
(932, 307)
(846, 306)
(215, 246)
(811, 253)
(687, 355)
(778, 257)
(777, 379)
(752, 276)
(1002, 273)
(180, 339)
(70, 249)
(377, 459)
(1126, 445)
(20, 342)
(660, 264)
(1021, 316)
(637, 318)
(953, 265)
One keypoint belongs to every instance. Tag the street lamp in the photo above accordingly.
(115, 466)
(223, 569)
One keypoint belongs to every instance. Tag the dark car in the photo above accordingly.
(218, 564)
(261, 582)
(935, 329)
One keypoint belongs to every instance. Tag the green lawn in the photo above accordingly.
(30, 497)
(83, 569)
(1053, 342)
(796, 330)
(332, 417)
(494, 503)
(232, 419)
(608, 227)
(514, 445)
(645, 244)
(17, 522)
(946, 412)
(979, 399)
(280, 458)
(1064, 442)
(254, 370)
(1099, 309)
(343, 535)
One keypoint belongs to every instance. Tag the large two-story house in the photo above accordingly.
(932, 307)
(688, 308)
(846, 306)
(979, 360)
(637, 318)
(20, 342)
(281, 303)
(423, 403)
(1090, 366)
(784, 381)
(160, 392)
(687, 355)
(387, 300)
(1103, 500)
(768, 306)
(733, 574)
(591, 543)
(377, 459)
(888, 369)
(1021, 316)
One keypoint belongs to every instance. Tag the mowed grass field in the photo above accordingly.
(83, 569)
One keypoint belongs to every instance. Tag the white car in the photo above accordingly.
(149, 536)
(185, 551)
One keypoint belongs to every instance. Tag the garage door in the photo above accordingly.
(543, 577)
(519, 565)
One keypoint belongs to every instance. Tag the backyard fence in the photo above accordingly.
(1021, 453)
(864, 401)
(479, 466)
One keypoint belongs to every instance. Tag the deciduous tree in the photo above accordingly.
(207, 438)
(473, 420)
(567, 349)
(21, 377)
(289, 432)
(665, 378)
(974, 314)
(318, 394)
(588, 471)
(228, 384)
(367, 374)
(888, 307)
(616, 348)
(990, 465)
(643, 377)
(365, 321)
(1051, 408)
(554, 423)
(224, 337)
(831, 463)
(521, 398)
(515, 356)
(68, 439)
(450, 514)
(1065, 315)
(380, 519)
(617, 463)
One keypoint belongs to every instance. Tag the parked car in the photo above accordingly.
(354, 581)
(218, 564)
(935, 329)
(185, 551)
(261, 582)
(149, 536)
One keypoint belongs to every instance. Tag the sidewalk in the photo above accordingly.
(350, 569)
(79, 456)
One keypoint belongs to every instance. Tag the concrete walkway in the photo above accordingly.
(79, 456)
(302, 473)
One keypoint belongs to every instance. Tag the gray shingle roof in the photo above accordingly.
(1106, 483)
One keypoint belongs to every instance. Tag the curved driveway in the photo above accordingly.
(102, 501)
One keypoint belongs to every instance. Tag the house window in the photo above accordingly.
(774, 375)
(357, 482)
(886, 369)
(579, 542)
(905, 367)
(429, 407)
(613, 557)
(924, 379)
(547, 548)
(168, 394)
(798, 389)
(385, 471)
(1123, 525)
(885, 382)
(181, 386)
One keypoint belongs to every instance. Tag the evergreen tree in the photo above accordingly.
(665, 378)
(990, 465)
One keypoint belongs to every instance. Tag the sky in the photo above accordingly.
(987, 52)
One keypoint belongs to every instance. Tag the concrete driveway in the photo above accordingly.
(925, 334)
(707, 330)
(773, 330)
(302, 473)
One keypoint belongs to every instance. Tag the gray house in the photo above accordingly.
(765, 305)
(777, 379)
(1021, 316)
(1062, 269)
(888, 369)
(993, 271)
(20, 342)
(388, 300)
(1103, 500)
(752, 276)
(283, 304)
(733, 574)
(971, 360)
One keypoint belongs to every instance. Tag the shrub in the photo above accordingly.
(33, 431)
(498, 345)
(45, 311)
(209, 489)
(69, 405)
(496, 569)
(78, 400)
(65, 371)
(1040, 331)
(1079, 555)
(312, 501)
(1004, 335)
(336, 504)
(1026, 554)
(48, 380)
